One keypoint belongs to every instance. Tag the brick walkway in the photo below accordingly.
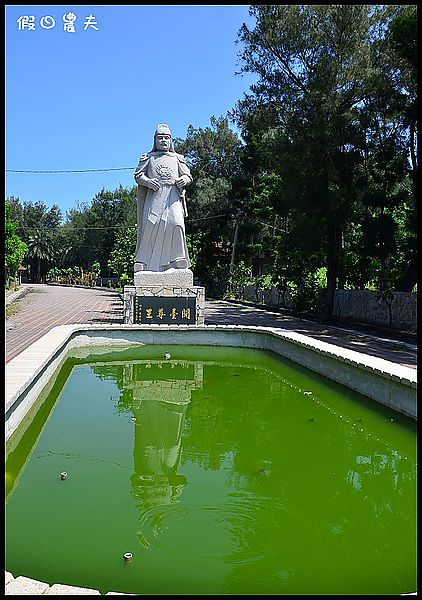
(44, 306)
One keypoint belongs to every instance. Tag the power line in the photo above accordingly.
(253, 221)
(74, 228)
(133, 226)
(66, 171)
(270, 226)
(104, 227)
(204, 218)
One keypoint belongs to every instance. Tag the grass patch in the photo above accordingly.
(11, 309)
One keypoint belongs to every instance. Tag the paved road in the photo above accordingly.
(396, 351)
(44, 306)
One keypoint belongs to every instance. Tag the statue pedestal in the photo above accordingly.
(169, 278)
(164, 298)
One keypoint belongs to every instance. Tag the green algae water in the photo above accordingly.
(222, 470)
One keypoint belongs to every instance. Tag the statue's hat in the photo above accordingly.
(163, 128)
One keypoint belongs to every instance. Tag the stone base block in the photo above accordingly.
(172, 278)
(164, 304)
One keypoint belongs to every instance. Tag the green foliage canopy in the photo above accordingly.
(14, 247)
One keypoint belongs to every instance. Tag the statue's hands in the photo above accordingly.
(182, 181)
(142, 179)
(153, 184)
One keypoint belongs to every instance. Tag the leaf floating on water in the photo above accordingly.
(143, 540)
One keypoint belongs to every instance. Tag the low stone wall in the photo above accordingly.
(362, 306)
(366, 307)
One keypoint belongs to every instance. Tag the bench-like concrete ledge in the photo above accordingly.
(27, 586)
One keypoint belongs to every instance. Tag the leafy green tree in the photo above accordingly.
(240, 277)
(386, 178)
(122, 256)
(41, 253)
(34, 216)
(214, 156)
(39, 228)
(319, 70)
(403, 59)
(91, 229)
(14, 247)
(87, 235)
(193, 242)
(262, 283)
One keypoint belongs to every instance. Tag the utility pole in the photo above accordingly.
(236, 231)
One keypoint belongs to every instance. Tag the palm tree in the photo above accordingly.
(41, 251)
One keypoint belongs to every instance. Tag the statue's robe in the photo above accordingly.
(161, 239)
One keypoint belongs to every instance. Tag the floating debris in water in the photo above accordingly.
(128, 555)
(143, 540)
(312, 419)
(167, 355)
(308, 393)
(63, 475)
(235, 374)
(264, 472)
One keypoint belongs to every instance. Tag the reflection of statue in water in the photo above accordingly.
(162, 176)
(157, 452)
(161, 395)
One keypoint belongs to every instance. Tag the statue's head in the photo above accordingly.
(162, 139)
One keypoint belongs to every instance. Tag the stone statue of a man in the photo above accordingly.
(162, 176)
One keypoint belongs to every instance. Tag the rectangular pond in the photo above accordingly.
(220, 470)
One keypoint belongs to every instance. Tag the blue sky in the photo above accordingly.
(91, 99)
